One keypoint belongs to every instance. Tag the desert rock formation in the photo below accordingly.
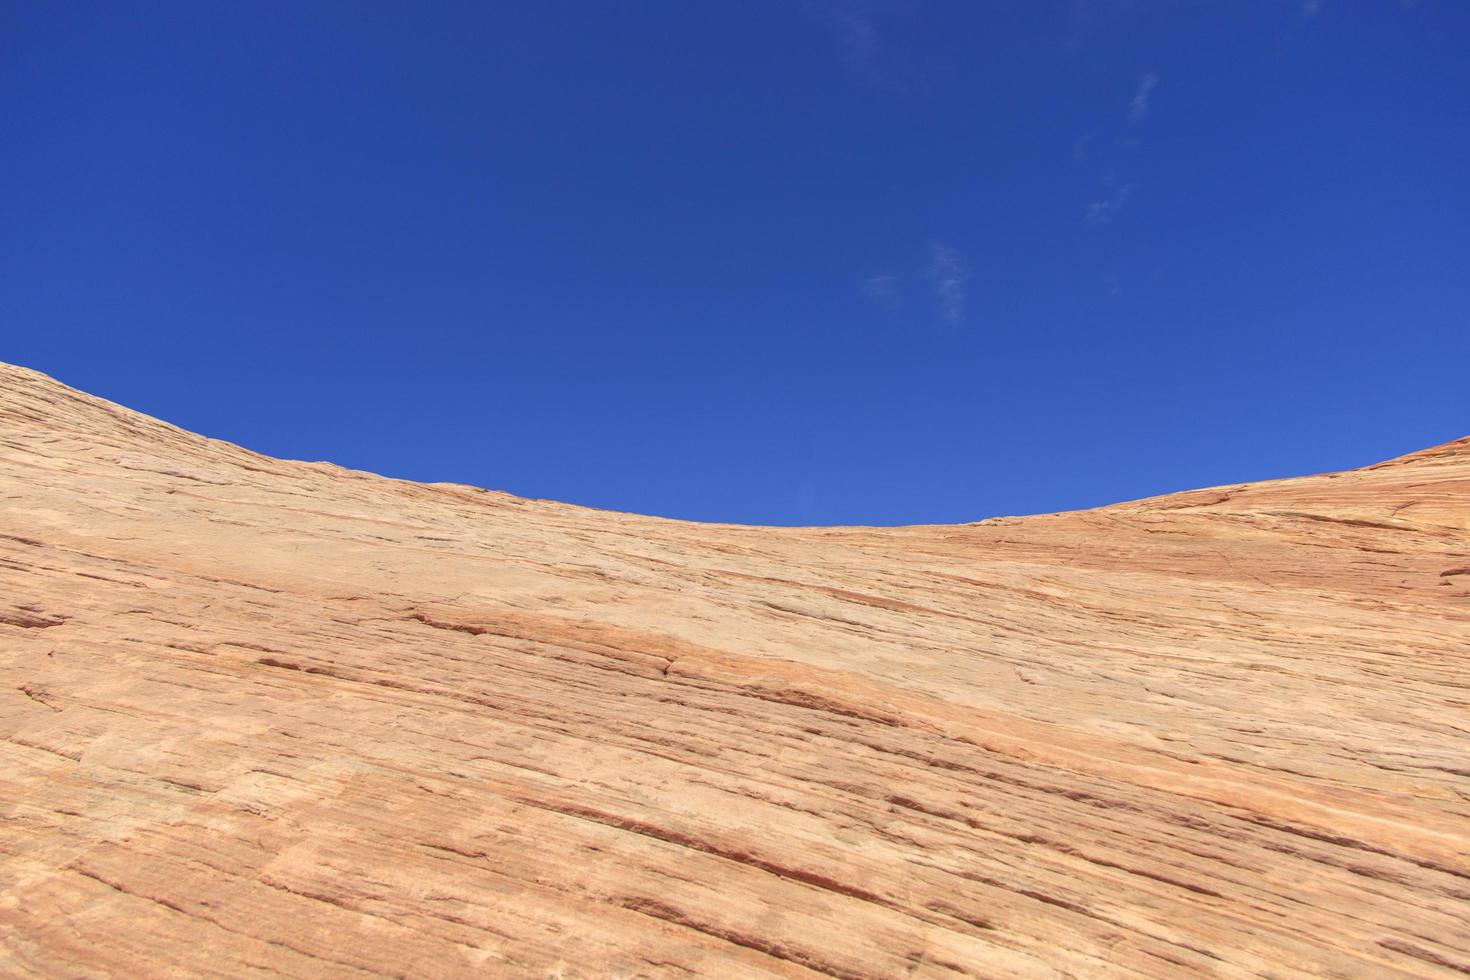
(267, 717)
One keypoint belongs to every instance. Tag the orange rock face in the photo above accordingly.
(266, 717)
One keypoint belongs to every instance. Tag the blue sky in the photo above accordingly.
(772, 262)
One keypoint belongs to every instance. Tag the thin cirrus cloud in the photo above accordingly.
(1105, 210)
(1138, 108)
(1118, 192)
(1079, 148)
(864, 52)
(949, 278)
(945, 276)
(884, 288)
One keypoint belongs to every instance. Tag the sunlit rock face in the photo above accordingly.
(268, 717)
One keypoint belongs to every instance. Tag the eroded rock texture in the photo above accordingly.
(285, 718)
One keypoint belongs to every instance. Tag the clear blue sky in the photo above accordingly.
(774, 262)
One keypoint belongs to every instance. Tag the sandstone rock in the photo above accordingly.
(268, 717)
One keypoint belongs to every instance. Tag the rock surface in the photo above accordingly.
(285, 718)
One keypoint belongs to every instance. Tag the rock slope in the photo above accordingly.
(267, 717)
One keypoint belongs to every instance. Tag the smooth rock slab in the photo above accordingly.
(290, 719)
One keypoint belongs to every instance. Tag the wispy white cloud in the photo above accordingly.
(1079, 148)
(949, 277)
(857, 35)
(884, 288)
(1105, 210)
(1311, 8)
(1116, 151)
(855, 27)
(1138, 108)
(881, 286)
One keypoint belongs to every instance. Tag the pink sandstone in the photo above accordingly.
(261, 717)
